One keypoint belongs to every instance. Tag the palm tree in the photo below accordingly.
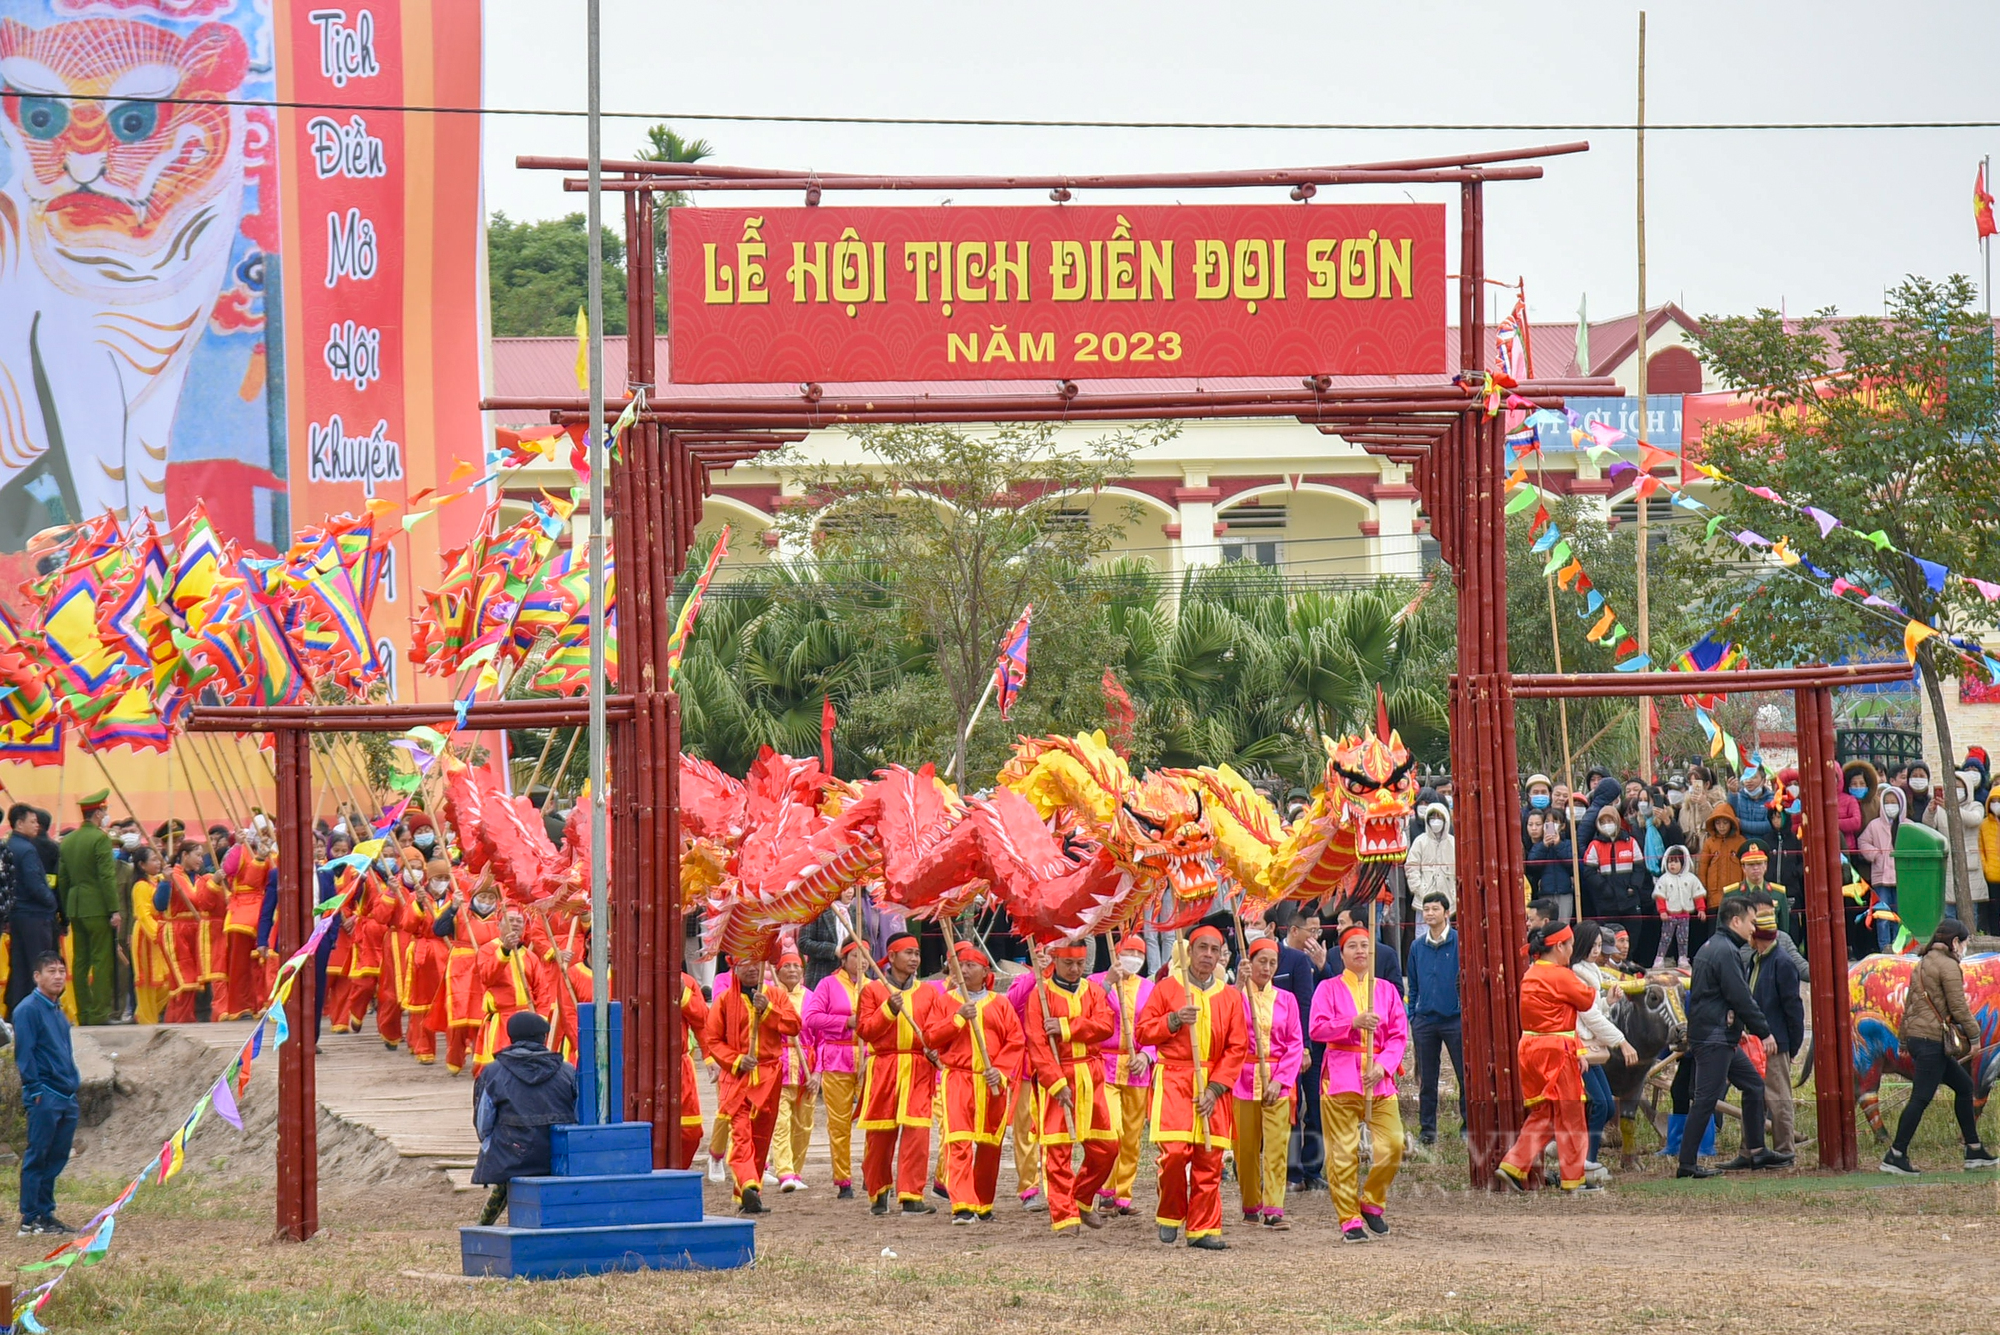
(666, 145)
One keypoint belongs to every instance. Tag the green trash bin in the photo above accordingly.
(1923, 866)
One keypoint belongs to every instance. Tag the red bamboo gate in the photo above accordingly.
(656, 493)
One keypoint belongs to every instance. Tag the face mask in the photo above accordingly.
(1609, 831)
(413, 877)
(1919, 784)
(387, 866)
(1538, 800)
(1131, 963)
(1792, 789)
(1858, 789)
(1437, 825)
(1892, 810)
(1675, 796)
(1645, 809)
(130, 841)
(440, 886)
(485, 906)
(425, 839)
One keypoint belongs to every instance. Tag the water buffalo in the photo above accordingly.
(1876, 989)
(1653, 1015)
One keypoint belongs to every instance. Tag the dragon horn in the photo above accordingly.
(1381, 713)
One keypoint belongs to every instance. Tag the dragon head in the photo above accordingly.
(1166, 836)
(1368, 781)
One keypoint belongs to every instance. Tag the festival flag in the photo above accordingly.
(1982, 206)
(684, 623)
(1010, 673)
(827, 719)
(131, 721)
(582, 351)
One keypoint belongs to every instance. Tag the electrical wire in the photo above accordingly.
(1011, 123)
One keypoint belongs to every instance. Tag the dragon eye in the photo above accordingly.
(134, 121)
(42, 117)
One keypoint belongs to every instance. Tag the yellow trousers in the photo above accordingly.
(793, 1133)
(1128, 1110)
(1263, 1132)
(1027, 1141)
(839, 1089)
(1340, 1120)
(149, 1004)
(718, 1139)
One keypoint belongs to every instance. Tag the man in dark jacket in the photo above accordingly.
(524, 1090)
(1774, 982)
(1719, 1008)
(48, 1092)
(36, 911)
(819, 940)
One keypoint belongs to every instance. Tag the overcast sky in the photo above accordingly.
(1736, 219)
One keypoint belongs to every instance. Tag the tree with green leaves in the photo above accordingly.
(972, 542)
(1892, 426)
(537, 274)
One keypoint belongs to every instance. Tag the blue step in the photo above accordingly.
(593, 1151)
(669, 1196)
(559, 1253)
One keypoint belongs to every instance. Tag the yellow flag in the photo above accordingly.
(1915, 634)
(582, 350)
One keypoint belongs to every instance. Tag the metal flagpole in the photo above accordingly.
(1642, 601)
(1986, 242)
(600, 837)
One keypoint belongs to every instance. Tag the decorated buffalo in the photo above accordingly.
(1652, 1014)
(1877, 988)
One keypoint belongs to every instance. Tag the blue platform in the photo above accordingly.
(604, 1207)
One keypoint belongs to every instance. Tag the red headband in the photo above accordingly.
(900, 941)
(1074, 950)
(970, 954)
(1206, 933)
(1263, 943)
(851, 944)
(1351, 932)
(1558, 936)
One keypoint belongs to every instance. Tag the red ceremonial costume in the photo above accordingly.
(459, 1008)
(738, 1036)
(1208, 1054)
(374, 911)
(694, 1019)
(243, 988)
(1551, 1073)
(1071, 1062)
(423, 957)
(194, 906)
(975, 1117)
(896, 1116)
(514, 980)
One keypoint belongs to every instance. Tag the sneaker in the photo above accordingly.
(1506, 1181)
(1585, 1188)
(961, 1216)
(919, 1207)
(1036, 1202)
(941, 1191)
(29, 1228)
(1375, 1224)
(846, 1192)
(1898, 1162)
(714, 1169)
(1592, 1166)
(1169, 1234)
(770, 1178)
(1211, 1243)
(1090, 1218)
(1277, 1222)
(752, 1202)
(1354, 1233)
(51, 1224)
(791, 1182)
(1978, 1157)
(880, 1205)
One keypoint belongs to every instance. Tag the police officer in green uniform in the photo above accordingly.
(87, 886)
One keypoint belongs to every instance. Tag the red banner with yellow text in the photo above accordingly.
(874, 294)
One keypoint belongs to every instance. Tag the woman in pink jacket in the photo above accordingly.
(836, 1052)
(1269, 1083)
(1364, 1050)
(1128, 1068)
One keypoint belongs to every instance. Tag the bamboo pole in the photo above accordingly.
(222, 794)
(976, 1025)
(575, 736)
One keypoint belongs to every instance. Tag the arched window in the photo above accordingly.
(1673, 371)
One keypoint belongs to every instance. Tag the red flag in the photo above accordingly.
(826, 722)
(1982, 206)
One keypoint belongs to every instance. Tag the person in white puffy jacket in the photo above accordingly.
(1432, 864)
(1677, 893)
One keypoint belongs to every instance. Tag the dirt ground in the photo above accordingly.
(1773, 1253)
